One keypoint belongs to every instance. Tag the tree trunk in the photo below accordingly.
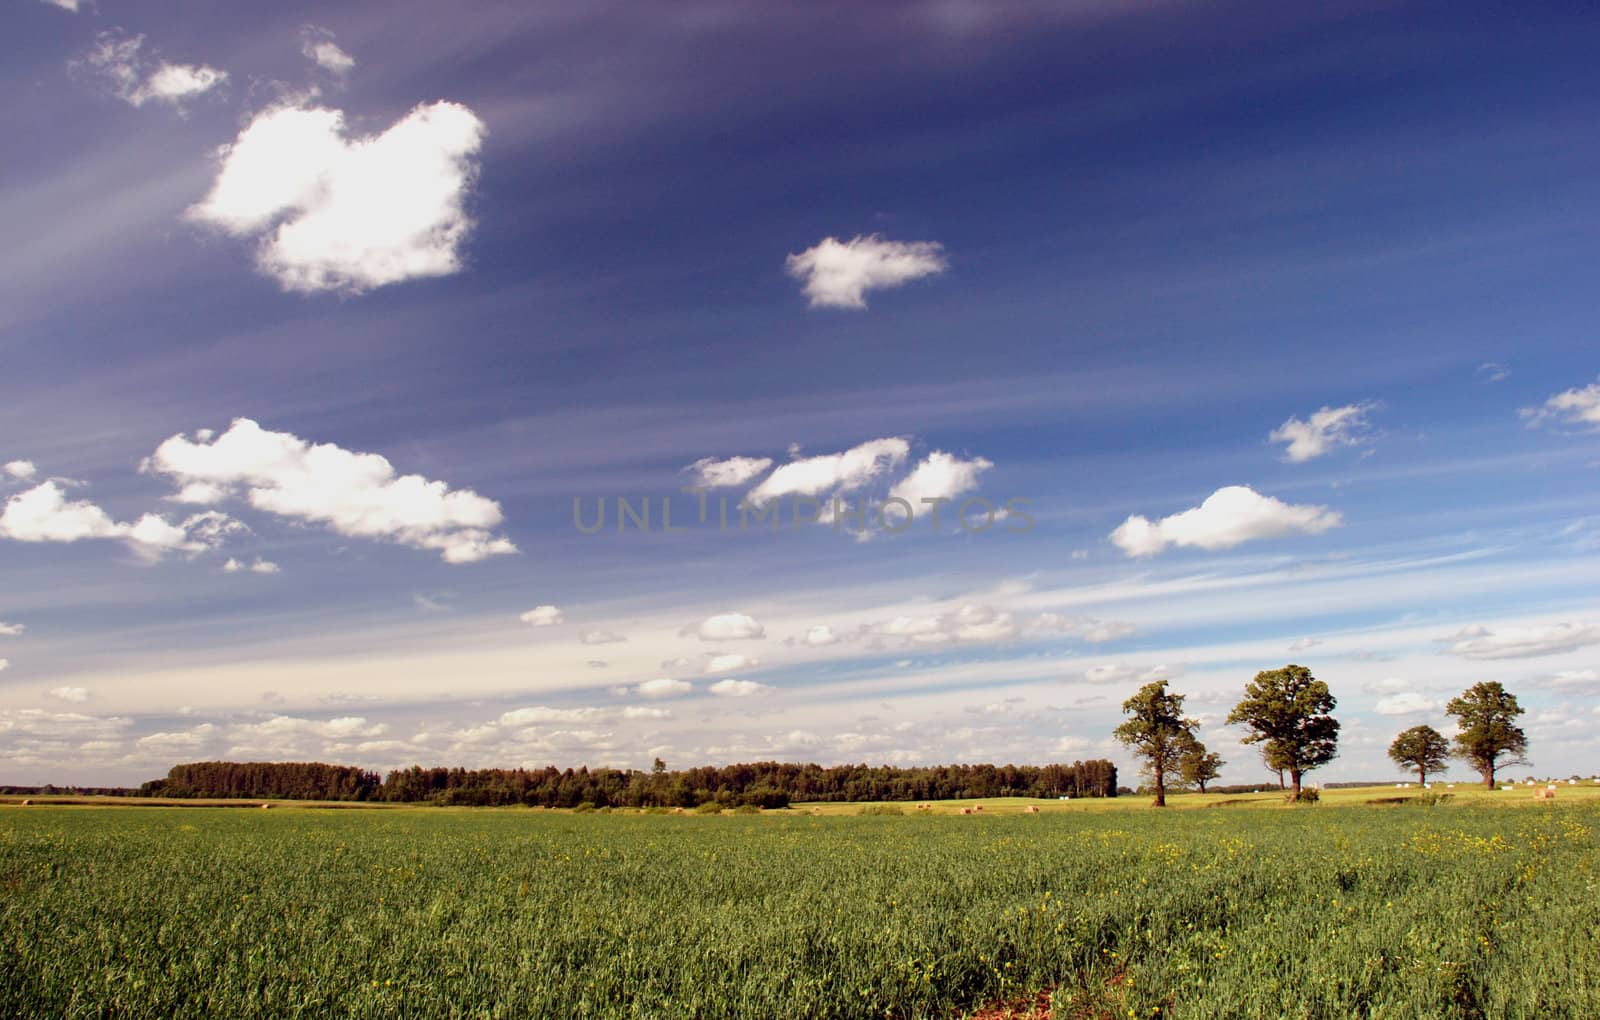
(1422, 777)
(1488, 776)
(1280, 779)
(1161, 788)
(1294, 778)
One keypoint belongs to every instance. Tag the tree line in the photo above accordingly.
(763, 784)
(1288, 713)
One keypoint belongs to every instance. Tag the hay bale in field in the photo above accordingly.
(978, 807)
(1033, 809)
(266, 807)
(1549, 793)
(27, 803)
(966, 811)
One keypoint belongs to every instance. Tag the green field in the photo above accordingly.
(1477, 907)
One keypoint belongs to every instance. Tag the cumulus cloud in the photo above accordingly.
(837, 274)
(1479, 642)
(738, 688)
(1409, 703)
(348, 214)
(11, 629)
(643, 712)
(1087, 628)
(729, 663)
(257, 566)
(1576, 407)
(1229, 516)
(20, 469)
(663, 687)
(76, 695)
(1324, 430)
(601, 637)
(820, 635)
(970, 623)
(45, 514)
(317, 46)
(729, 627)
(118, 60)
(542, 616)
(832, 472)
(940, 476)
(541, 714)
(710, 473)
(356, 494)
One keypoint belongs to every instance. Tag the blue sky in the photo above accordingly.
(1278, 319)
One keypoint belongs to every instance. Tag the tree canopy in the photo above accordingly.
(1489, 737)
(1157, 733)
(1199, 766)
(1422, 748)
(1288, 710)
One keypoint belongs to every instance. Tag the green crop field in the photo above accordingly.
(1470, 908)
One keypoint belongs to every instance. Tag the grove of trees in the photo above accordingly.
(764, 784)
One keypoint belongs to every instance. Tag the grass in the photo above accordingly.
(1479, 907)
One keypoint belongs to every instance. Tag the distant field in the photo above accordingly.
(1467, 909)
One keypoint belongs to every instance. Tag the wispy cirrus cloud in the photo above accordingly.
(1481, 642)
(120, 62)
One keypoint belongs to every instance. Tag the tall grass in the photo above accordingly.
(1408, 912)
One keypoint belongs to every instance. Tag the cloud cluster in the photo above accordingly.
(1324, 430)
(348, 214)
(259, 566)
(1574, 407)
(830, 473)
(44, 513)
(731, 688)
(355, 494)
(1479, 642)
(1230, 516)
(837, 274)
(118, 61)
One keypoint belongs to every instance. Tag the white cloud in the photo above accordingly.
(356, 494)
(729, 663)
(819, 636)
(641, 712)
(1301, 644)
(317, 46)
(729, 627)
(258, 566)
(1088, 628)
(76, 695)
(837, 274)
(1409, 703)
(5, 664)
(542, 616)
(11, 629)
(832, 472)
(349, 214)
(664, 687)
(601, 637)
(738, 688)
(117, 60)
(1479, 642)
(710, 473)
(1325, 429)
(542, 714)
(1229, 516)
(939, 476)
(1569, 407)
(45, 514)
(66, 5)
(970, 623)
(21, 469)
(1118, 674)
(1387, 685)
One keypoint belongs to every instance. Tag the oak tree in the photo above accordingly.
(1490, 737)
(1157, 732)
(1422, 748)
(1287, 709)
